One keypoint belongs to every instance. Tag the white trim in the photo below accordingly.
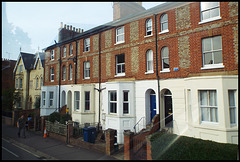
(213, 66)
(164, 31)
(165, 71)
(210, 19)
(149, 72)
(119, 43)
(146, 36)
(120, 75)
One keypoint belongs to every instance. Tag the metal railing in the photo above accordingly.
(137, 124)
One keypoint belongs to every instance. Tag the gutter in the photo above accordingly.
(156, 45)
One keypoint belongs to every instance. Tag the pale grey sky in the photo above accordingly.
(40, 20)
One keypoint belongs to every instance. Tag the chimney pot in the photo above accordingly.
(64, 26)
(61, 25)
(70, 27)
(77, 30)
(74, 29)
(67, 27)
(82, 30)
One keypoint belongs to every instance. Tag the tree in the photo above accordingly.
(9, 98)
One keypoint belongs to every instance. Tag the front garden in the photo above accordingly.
(167, 146)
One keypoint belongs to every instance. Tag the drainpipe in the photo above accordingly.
(59, 83)
(156, 45)
(75, 61)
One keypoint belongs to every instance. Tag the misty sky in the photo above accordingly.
(34, 25)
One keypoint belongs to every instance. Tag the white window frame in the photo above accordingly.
(43, 98)
(86, 69)
(52, 74)
(20, 68)
(71, 50)
(118, 35)
(87, 101)
(64, 51)
(148, 27)
(149, 62)
(64, 72)
(162, 23)
(162, 61)
(208, 108)
(209, 9)
(122, 65)
(213, 65)
(86, 44)
(70, 72)
(126, 102)
(51, 99)
(52, 54)
(112, 102)
(77, 100)
(233, 107)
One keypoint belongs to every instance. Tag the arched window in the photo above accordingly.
(63, 72)
(165, 59)
(71, 50)
(164, 23)
(70, 72)
(64, 51)
(63, 98)
(149, 60)
(149, 27)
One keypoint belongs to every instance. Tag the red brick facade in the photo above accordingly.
(190, 33)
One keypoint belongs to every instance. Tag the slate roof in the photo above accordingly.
(130, 18)
(28, 60)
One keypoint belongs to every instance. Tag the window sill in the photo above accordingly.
(120, 75)
(86, 78)
(86, 51)
(164, 31)
(165, 71)
(210, 20)
(146, 36)
(119, 43)
(212, 67)
(149, 72)
(52, 80)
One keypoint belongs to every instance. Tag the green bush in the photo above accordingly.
(55, 116)
(65, 118)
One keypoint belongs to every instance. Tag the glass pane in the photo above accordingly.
(87, 65)
(164, 52)
(208, 58)
(218, 57)
(164, 18)
(119, 69)
(87, 106)
(232, 116)
(203, 98)
(165, 63)
(113, 96)
(231, 98)
(205, 15)
(217, 43)
(125, 108)
(213, 98)
(164, 26)
(204, 114)
(123, 68)
(214, 115)
(113, 107)
(150, 65)
(214, 12)
(206, 45)
(125, 96)
(208, 5)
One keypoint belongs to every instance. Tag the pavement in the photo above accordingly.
(52, 149)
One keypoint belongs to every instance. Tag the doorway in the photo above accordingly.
(168, 108)
(69, 101)
(150, 101)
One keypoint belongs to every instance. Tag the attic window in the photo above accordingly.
(52, 54)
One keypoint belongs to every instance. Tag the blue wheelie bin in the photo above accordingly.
(86, 134)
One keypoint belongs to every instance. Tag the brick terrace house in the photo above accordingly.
(28, 75)
(178, 59)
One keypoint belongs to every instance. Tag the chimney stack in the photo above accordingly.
(64, 26)
(61, 26)
(67, 27)
(70, 27)
(140, 3)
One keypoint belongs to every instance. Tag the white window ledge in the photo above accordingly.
(212, 67)
(146, 36)
(149, 72)
(165, 71)
(119, 43)
(164, 31)
(120, 75)
(210, 19)
(86, 78)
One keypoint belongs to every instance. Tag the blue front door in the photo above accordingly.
(152, 105)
